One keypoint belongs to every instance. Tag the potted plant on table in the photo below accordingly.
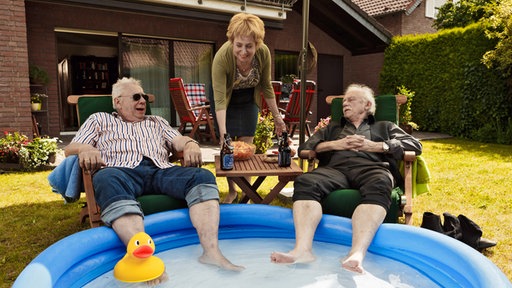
(264, 132)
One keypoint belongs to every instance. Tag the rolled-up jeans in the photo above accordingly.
(117, 188)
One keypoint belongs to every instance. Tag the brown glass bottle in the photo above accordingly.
(284, 157)
(227, 159)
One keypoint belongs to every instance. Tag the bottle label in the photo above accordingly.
(228, 161)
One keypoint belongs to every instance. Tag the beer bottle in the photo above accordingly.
(284, 157)
(227, 159)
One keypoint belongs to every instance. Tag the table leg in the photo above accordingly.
(248, 189)
(273, 193)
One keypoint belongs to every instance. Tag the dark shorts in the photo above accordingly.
(374, 182)
(242, 113)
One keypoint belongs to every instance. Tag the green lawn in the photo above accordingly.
(468, 178)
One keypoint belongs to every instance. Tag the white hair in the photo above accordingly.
(119, 87)
(367, 94)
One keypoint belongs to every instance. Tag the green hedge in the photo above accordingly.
(454, 92)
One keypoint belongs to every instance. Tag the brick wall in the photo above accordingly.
(400, 24)
(417, 23)
(15, 112)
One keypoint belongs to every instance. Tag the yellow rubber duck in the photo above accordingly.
(139, 264)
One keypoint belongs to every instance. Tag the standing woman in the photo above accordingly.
(241, 73)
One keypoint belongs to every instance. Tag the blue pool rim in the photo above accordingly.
(82, 257)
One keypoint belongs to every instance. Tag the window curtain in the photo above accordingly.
(148, 61)
(193, 62)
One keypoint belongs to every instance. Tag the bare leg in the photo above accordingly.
(128, 225)
(232, 192)
(366, 220)
(306, 216)
(205, 218)
(125, 227)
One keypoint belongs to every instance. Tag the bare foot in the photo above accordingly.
(220, 261)
(353, 263)
(163, 278)
(291, 258)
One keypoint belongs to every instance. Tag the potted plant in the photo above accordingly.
(405, 113)
(264, 133)
(287, 88)
(39, 152)
(36, 101)
(19, 153)
(38, 75)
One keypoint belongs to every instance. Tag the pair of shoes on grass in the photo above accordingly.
(460, 228)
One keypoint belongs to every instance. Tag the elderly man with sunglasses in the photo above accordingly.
(129, 151)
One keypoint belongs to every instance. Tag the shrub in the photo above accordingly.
(16, 148)
(10, 146)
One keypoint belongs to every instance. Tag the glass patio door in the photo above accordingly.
(148, 60)
(154, 61)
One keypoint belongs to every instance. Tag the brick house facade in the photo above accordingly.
(28, 36)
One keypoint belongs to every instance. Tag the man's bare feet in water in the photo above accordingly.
(220, 261)
(291, 257)
(353, 263)
(163, 278)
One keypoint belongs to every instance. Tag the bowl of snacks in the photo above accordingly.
(242, 150)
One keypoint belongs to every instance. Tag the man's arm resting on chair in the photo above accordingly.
(88, 156)
(191, 150)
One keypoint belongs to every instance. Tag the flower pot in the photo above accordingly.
(36, 106)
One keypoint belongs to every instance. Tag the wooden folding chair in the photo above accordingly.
(277, 86)
(291, 115)
(186, 113)
(87, 105)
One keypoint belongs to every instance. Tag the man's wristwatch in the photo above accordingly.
(385, 147)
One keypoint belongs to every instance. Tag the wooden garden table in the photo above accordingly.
(255, 166)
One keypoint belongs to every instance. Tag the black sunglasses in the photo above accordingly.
(136, 97)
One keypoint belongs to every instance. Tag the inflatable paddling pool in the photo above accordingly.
(82, 257)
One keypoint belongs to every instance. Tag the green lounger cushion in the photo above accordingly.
(157, 203)
(343, 203)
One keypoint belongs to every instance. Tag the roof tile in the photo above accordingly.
(381, 7)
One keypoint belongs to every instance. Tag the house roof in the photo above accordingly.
(383, 7)
(348, 24)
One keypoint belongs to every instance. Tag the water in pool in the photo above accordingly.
(254, 253)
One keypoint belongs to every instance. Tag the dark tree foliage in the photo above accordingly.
(463, 13)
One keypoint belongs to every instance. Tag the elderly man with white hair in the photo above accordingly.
(356, 152)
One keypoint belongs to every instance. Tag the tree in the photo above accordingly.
(500, 28)
(463, 12)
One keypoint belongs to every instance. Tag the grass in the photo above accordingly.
(468, 178)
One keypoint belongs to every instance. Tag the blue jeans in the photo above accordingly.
(117, 188)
